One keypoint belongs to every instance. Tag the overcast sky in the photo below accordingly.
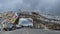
(45, 6)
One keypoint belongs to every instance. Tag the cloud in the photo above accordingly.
(10, 5)
(45, 6)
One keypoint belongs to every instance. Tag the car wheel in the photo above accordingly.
(30, 27)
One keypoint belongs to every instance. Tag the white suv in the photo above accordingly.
(26, 22)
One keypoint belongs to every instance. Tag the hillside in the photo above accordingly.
(40, 21)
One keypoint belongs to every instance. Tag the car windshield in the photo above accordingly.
(25, 22)
(9, 24)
